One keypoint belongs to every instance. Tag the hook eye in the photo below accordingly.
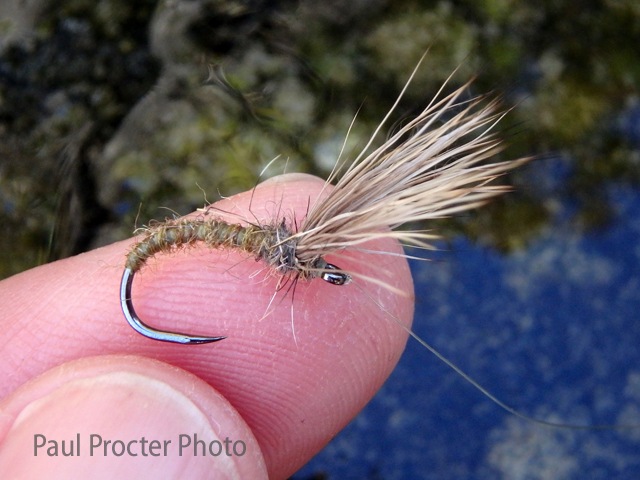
(335, 278)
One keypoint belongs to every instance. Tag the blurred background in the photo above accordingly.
(111, 112)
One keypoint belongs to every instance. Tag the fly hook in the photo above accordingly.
(215, 233)
(144, 329)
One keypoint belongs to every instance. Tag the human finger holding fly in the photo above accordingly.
(294, 369)
(312, 294)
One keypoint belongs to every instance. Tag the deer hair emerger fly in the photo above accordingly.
(431, 168)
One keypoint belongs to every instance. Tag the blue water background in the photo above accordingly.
(552, 330)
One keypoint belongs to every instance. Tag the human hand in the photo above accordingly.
(278, 388)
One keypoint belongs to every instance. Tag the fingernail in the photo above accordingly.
(116, 425)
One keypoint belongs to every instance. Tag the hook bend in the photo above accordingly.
(144, 329)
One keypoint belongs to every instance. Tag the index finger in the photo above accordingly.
(297, 364)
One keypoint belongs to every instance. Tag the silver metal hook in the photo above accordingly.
(144, 329)
(335, 278)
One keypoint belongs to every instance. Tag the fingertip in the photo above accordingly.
(296, 177)
(127, 416)
(298, 363)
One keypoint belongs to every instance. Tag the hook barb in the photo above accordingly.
(144, 329)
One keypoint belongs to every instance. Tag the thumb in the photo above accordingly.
(123, 417)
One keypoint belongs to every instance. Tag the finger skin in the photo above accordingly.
(297, 372)
(173, 425)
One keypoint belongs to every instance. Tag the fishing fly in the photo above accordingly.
(433, 167)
